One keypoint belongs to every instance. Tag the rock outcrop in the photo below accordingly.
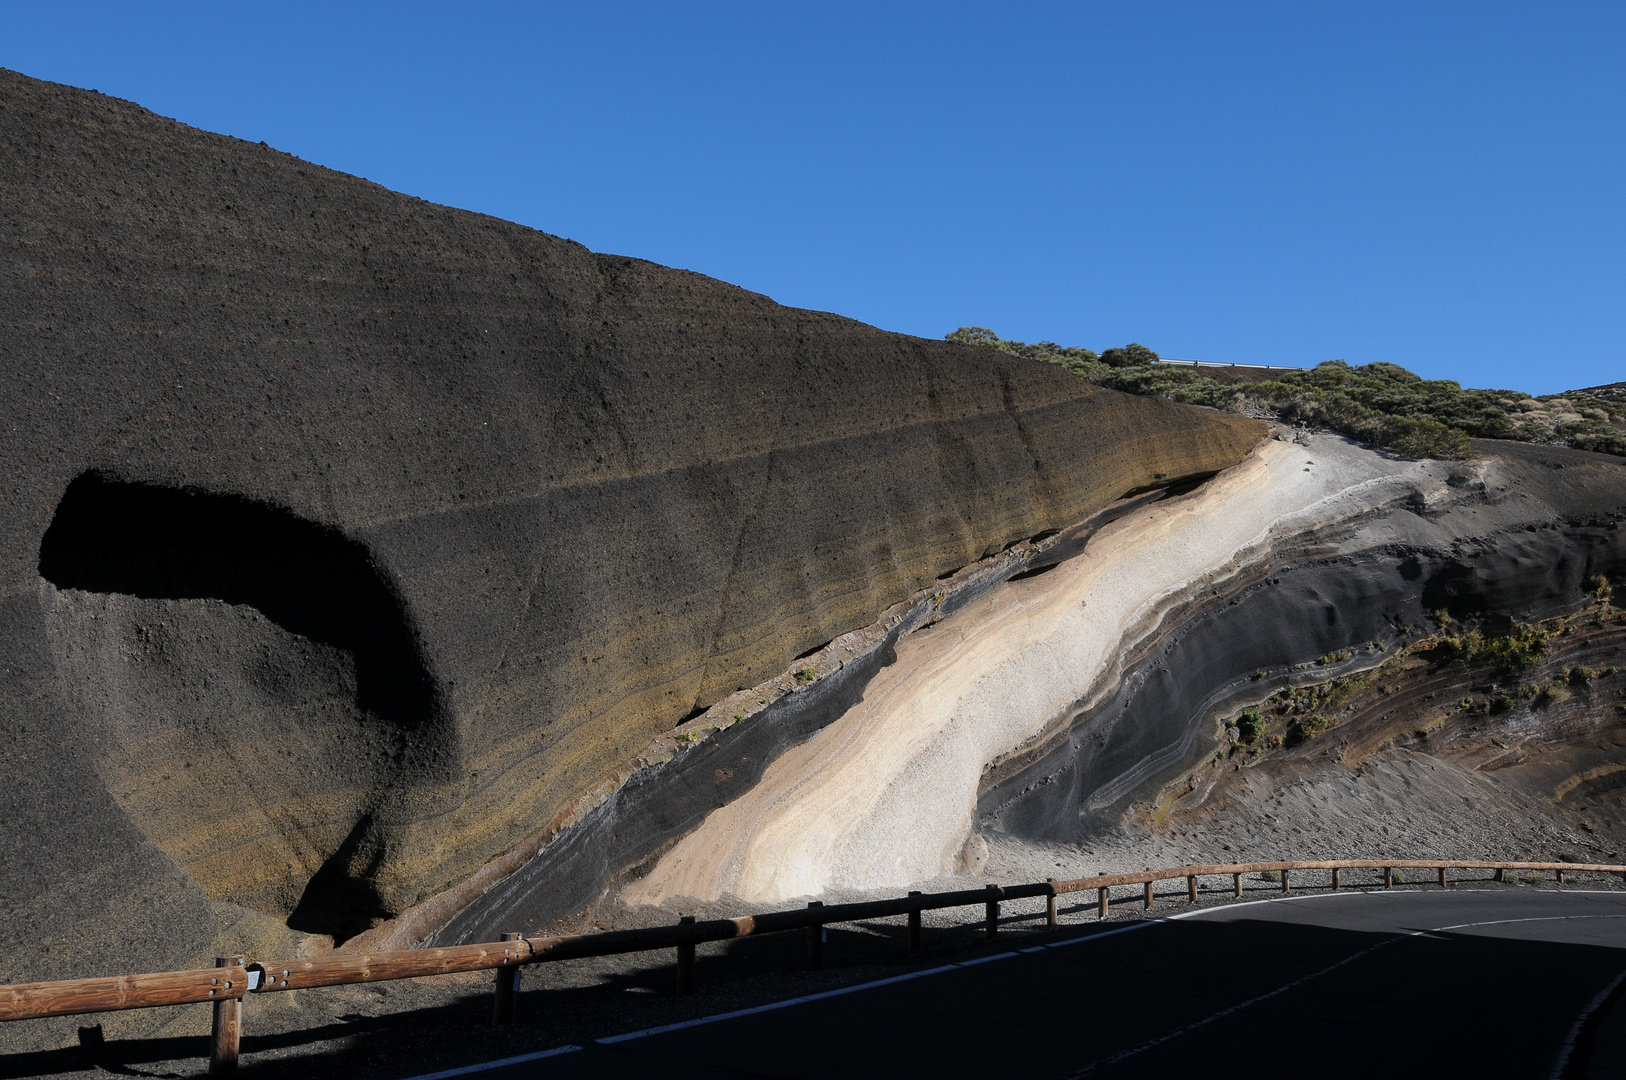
(1053, 703)
(347, 540)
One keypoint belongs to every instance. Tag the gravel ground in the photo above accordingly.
(1398, 804)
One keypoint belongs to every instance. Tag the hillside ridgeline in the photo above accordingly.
(1380, 404)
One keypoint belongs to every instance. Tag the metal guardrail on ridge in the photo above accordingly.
(1222, 363)
(232, 979)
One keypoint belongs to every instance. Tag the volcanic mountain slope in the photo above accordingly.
(349, 543)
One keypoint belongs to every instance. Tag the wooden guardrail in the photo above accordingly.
(231, 980)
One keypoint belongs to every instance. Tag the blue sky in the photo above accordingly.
(1437, 185)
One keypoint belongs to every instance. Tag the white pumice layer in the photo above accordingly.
(884, 797)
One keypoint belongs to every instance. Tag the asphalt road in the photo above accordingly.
(1465, 982)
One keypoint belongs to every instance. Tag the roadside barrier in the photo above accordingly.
(1222, 363)
(232, 979)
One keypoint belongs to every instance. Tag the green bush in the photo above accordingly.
(1516, 650)
(1308, 727)
(1249, 725)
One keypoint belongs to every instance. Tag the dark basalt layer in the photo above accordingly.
(1548, 521)
(346, 538)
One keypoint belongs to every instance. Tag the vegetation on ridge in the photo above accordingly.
(1380, 404)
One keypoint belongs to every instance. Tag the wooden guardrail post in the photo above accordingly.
(1501, 876)
(1560, 875)
(1442, 878)
(502, 992)
(1236, 882)
(914, 924)
(991, 911)
(1148, 894)
(1050, 903)
(1388, 877)
(685, 963)
(815, 940)
(1191, 887)
(1287, 880)
(1103, 901)
(228, 1027)
(1335, 878)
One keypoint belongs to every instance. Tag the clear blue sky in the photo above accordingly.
(1438, 185)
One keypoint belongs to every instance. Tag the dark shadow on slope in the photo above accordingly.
(155, 542)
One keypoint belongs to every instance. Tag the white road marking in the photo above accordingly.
(501, 1064)
(1580, 1022)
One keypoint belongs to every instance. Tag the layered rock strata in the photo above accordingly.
(347, 541)
(1048, 705)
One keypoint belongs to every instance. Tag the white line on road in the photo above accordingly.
(502, 1064)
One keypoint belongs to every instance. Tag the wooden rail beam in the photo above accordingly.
(28, 1001)
(339, 970)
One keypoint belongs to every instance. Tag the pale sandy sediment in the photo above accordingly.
(885, 796)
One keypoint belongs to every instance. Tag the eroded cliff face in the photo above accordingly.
(348, 539)
(1052, 705)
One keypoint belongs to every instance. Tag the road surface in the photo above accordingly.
(1459, 982)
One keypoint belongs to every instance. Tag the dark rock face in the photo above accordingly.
(345, 538)
(1546, 521)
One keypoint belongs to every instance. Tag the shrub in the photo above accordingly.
(1519, 648)
(1308, 727)
(1422, 437)
(806, 675)
(1249, 725)
(1131, 355)
(1580, 676)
